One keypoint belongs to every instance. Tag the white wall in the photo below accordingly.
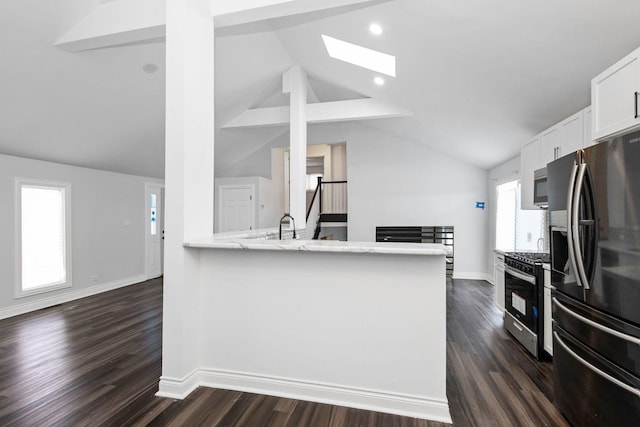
(395, 182)
(102, 245)
(257, 163)
(507, 171)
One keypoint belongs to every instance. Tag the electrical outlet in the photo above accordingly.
(93, 278)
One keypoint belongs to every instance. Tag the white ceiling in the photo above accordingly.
(481, 77)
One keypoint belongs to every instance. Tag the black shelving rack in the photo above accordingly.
(420, 234)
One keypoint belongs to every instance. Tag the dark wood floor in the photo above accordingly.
(96, 361)
(491, 379)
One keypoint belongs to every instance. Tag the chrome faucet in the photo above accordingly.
(286, 215)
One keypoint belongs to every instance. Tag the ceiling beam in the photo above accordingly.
(260, 117)
(353, 109)
(230, 13)
(118, 23)
(321, 112)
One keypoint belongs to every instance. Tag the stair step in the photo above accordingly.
(333, 217)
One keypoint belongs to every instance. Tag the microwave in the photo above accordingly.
(540, 188)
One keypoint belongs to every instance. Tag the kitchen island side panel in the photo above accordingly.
(354, 329)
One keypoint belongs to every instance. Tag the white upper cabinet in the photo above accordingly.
(571, 134)
(529, 161)
(571, 130)
(564, 138)
(587, 140)
(550, 141)
(614, 97)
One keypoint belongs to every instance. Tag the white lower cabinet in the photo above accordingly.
(498, 279)
(548, 333)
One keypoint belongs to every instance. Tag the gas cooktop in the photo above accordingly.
(530, 257)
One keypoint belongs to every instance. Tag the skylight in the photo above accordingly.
(360, 56)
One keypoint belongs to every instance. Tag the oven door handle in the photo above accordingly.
(519, 275)
(592, 368)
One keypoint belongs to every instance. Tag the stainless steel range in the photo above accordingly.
(524, 293)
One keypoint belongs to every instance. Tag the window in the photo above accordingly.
(43, 255)
(153, 217)
(517, 230)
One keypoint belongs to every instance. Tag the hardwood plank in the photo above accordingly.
(97, 361)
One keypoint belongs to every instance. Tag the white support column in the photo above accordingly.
(294, 82)
(189, 182)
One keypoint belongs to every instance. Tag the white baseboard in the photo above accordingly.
(372, 400)
(50, 301)
(473, 276)
(179, 388)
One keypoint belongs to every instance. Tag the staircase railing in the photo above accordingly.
(313, 213)
(329, 197)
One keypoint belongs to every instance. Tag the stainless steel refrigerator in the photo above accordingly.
(594, 204)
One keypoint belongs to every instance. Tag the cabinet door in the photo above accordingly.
(550, 141)
(529, 161)
(498, 280)
(587, 140)
(614, 97)
(571, 135)
(548, 335)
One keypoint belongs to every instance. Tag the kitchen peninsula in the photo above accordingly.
(357, 324)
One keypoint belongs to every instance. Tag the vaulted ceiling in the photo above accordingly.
(481, 78)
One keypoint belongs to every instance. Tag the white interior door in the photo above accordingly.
(154, 227)
(237, 207)
(162, 231)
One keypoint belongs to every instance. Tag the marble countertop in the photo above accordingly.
(263, 233)
(258, 243)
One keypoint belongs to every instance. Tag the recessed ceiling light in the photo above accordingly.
(360, 56)
(150, 68)
(379, 81)
(375, 29)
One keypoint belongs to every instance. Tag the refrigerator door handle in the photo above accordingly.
(597, 325)
(570, 202)
(575, 224)
(603, 374)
